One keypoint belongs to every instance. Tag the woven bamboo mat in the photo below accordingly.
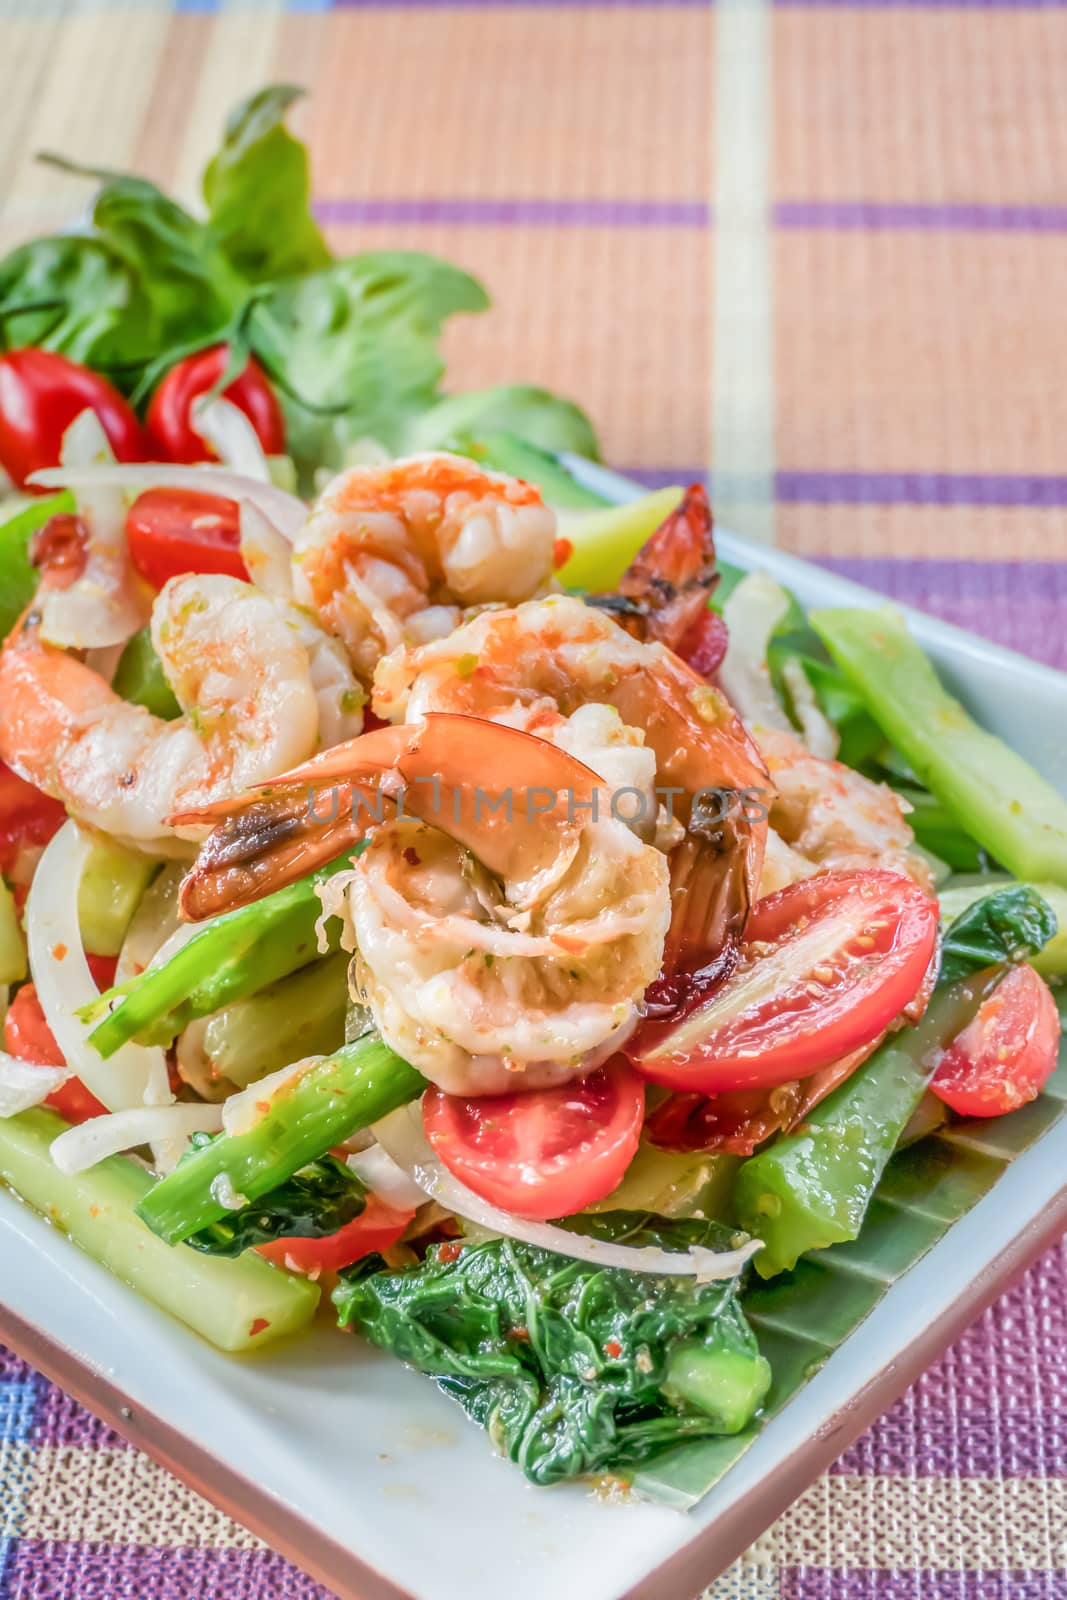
(817, 250)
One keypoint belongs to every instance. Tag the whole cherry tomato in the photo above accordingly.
(170, 423)
(40, 395)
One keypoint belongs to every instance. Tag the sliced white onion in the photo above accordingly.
(265, 552)
(818, 731)
(401, 1135)
(383, 1177)
(152, 924)
(107, 602)
(82, 1147)
(23, 1084)
(242, 1111)
(231, 435)
(136, 1075)
(286, 512)
(753, 611)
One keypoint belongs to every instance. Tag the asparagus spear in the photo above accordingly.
(994, 794)
(235, 955)
(237, 1305)
(325, 1104)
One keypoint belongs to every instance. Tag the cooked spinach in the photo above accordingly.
(572, 1368)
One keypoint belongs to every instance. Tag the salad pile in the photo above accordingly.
(431, 894)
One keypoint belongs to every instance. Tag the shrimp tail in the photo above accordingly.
(457, 772)
(666, 587)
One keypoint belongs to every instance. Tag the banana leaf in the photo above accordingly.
(802, 1317)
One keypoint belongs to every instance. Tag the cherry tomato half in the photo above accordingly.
(28, 817)
(376, 1228)
(847, 952)
(1006, 1054)
(170, 424)
(546, 1153)
(28, 1036)
(171, 531)
(40, 395)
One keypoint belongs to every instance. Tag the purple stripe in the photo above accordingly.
(1020, 604)
(922, 489)
(1036, 491)
(909, 214)
(61, 1422)
(467, 211)
(849, 1583)
(619, 212)
(93, 1570)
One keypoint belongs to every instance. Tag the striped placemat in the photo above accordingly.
(815, 250)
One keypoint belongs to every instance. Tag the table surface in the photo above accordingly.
(818, 248)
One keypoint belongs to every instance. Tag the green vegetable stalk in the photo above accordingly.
(112, 884)
(12, 944)
(994, 794)
(326, 1103)
(812, 1188)
(18, 579)
(302, 1015)
(231, 957)
(572, 1368)
(605, 542)
(236, 1305)
(139, 677)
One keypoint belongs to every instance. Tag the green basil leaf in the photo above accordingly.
(85, 293)
(1010, 924)
(354, 348)
(257, 189)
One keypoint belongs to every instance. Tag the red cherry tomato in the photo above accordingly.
(546, 1153)
(28, 1036)
(171, 531)
(1006, 1054)
(27, 817)
(376, 1228)
(848, 951)
(170, 425)
(40, 395)
(705, 644)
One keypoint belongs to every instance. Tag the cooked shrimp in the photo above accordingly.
(827, 816)
(537, 664)
(664, 591)
(391, 554)
(506, 935)
(256, 683)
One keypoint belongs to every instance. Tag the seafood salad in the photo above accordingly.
(440, 900)
(525, 965)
